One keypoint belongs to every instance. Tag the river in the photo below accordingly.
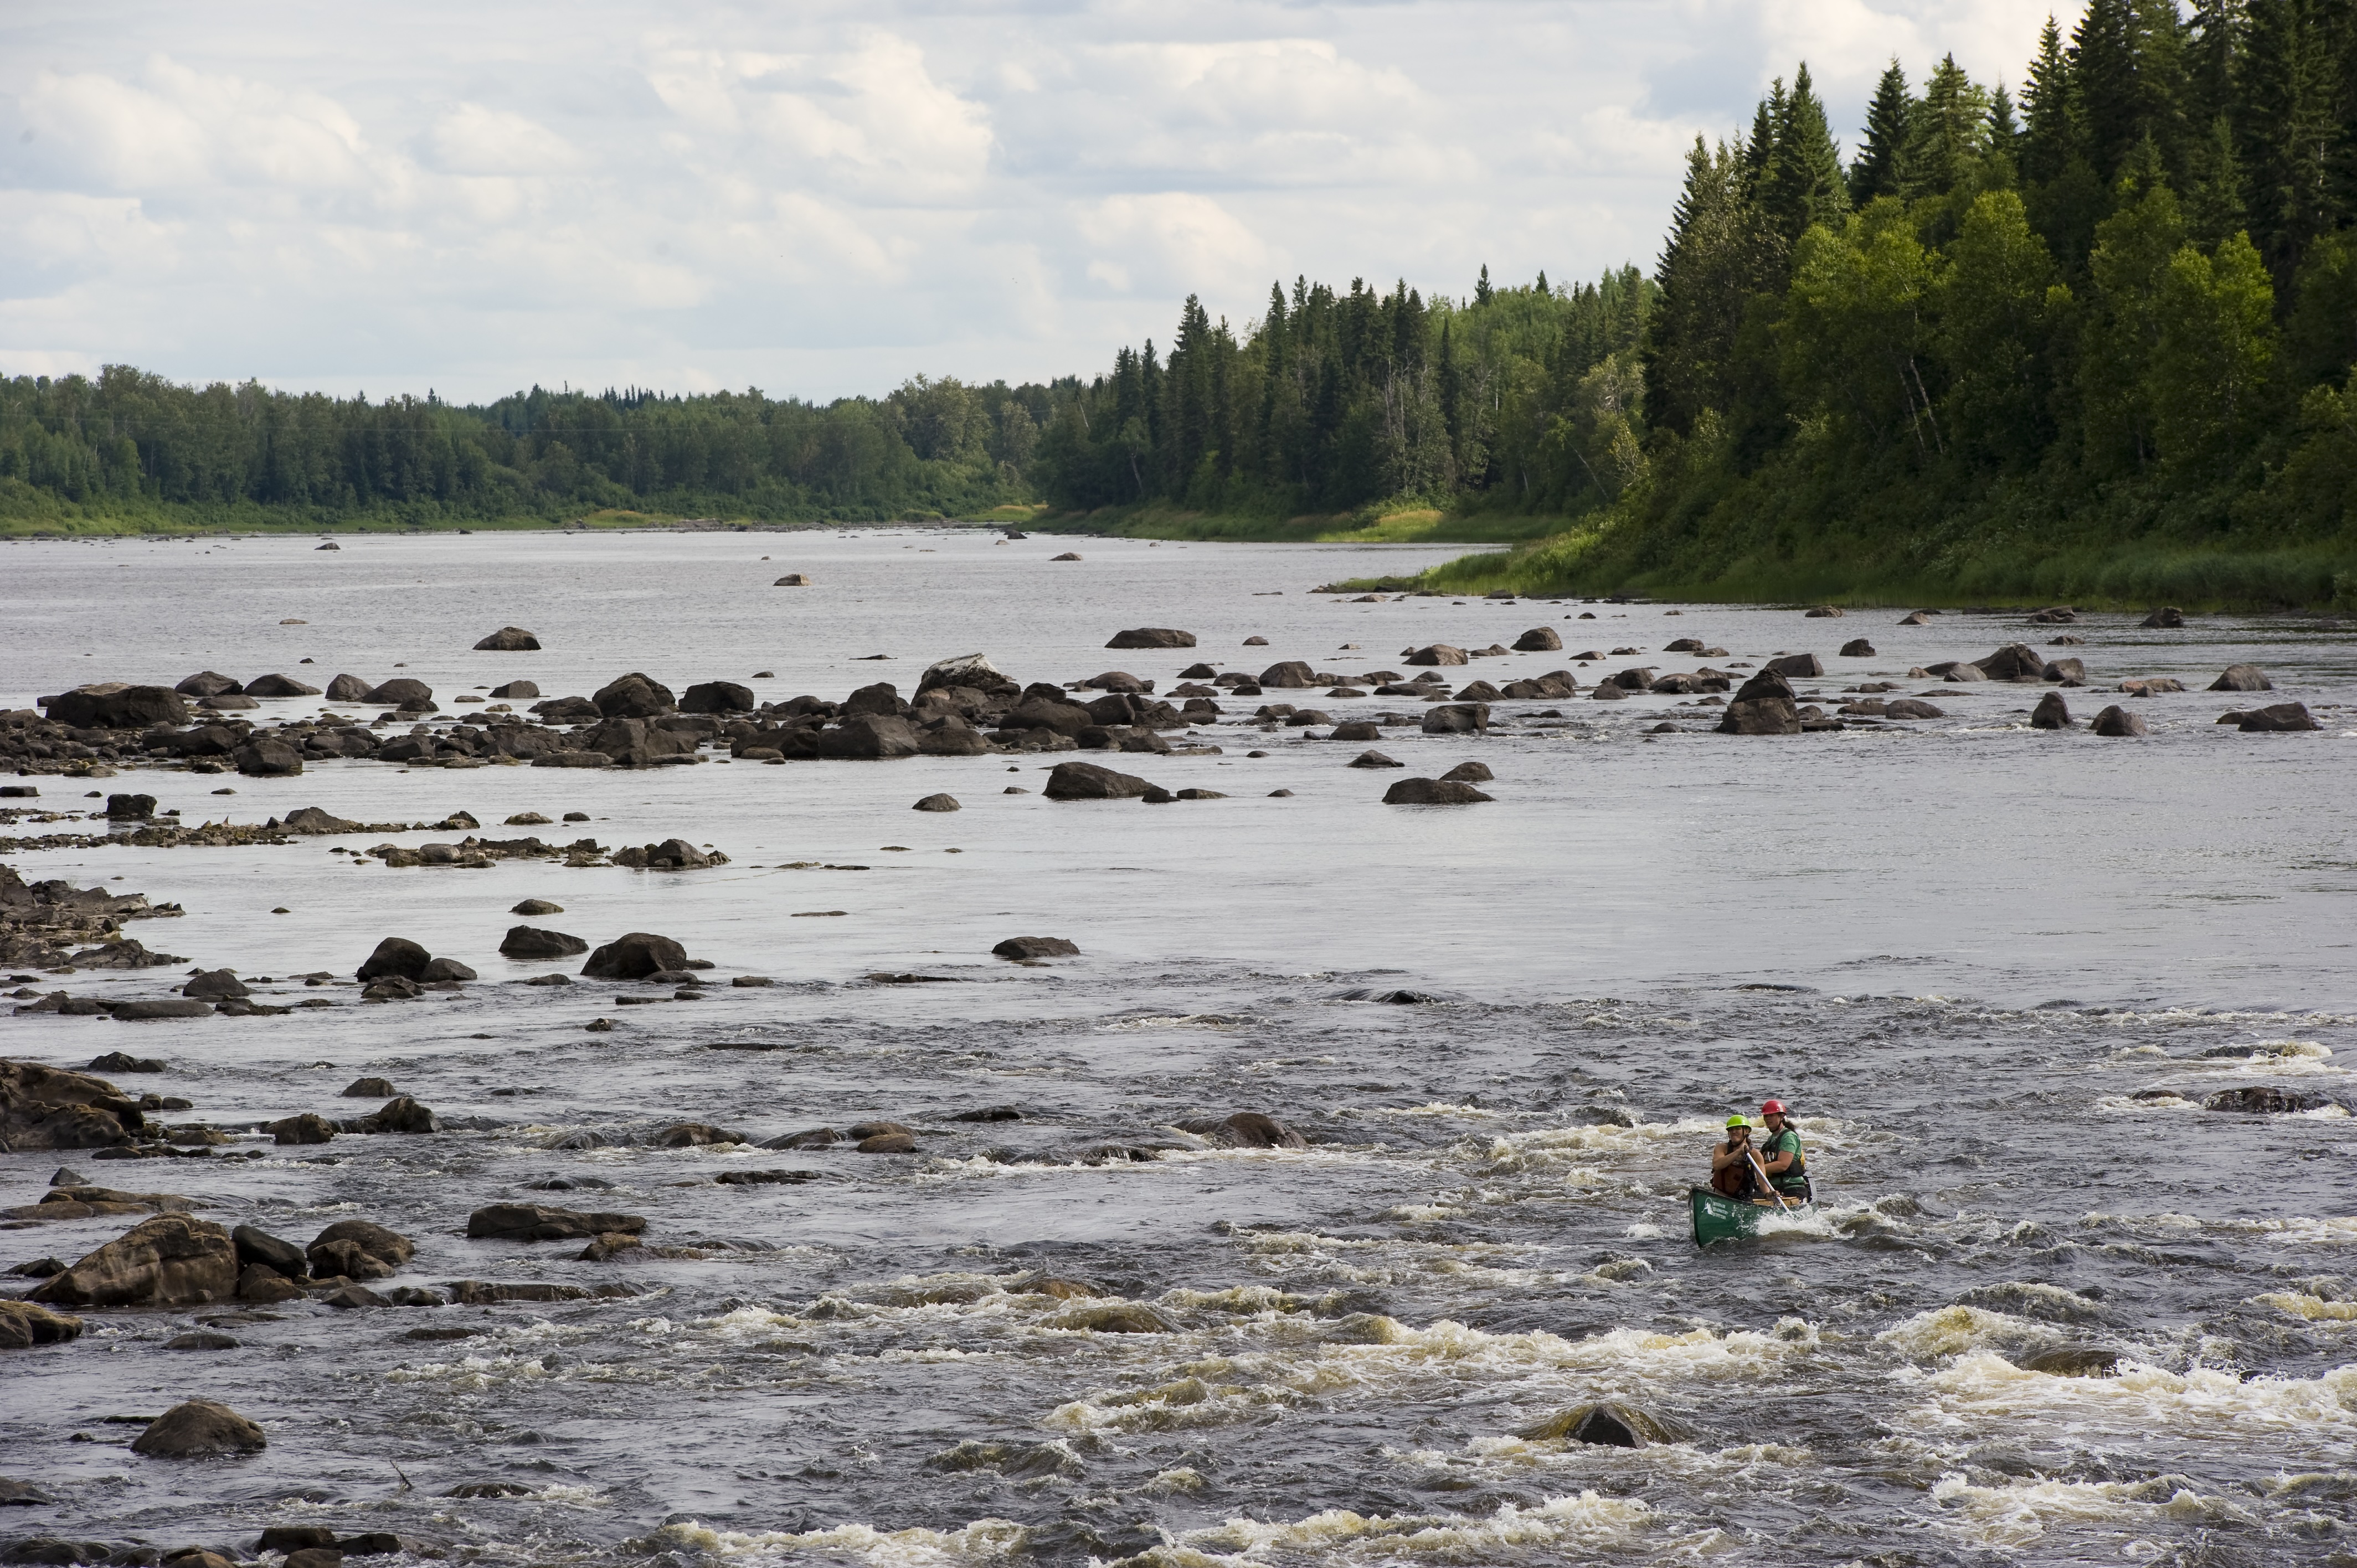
(1966, 951)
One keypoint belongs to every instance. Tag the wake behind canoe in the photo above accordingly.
(1718, 1218)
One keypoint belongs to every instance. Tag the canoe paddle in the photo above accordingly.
(1753, 1155)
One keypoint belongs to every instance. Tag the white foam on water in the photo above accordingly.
(1586, 1523)
(1984, 1389)
(1643, 1230)
(984, 1540)
(2314, 1308)
(2015, 1516)
(1392, 1361)
(1958, 1330)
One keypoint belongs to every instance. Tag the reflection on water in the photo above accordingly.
(1998, 971)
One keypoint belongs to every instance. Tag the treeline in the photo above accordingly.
(1526, 396)
(129, 439)
(2006, 337)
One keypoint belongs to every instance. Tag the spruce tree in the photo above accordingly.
(1881, 159)
(1948, 131)
(1802, 183)
(2295, 132)
(2049, 138)
(1482, 286)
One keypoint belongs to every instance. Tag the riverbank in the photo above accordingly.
(1382, 523)
(27, 514)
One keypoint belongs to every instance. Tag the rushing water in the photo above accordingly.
(1961, 947)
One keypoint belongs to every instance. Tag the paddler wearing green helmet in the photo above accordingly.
(1732, 1161)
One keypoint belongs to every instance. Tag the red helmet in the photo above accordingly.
(1772, 1108)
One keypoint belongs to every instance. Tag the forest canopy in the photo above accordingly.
(2017, 335)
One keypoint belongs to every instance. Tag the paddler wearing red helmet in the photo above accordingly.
(1787, 1163)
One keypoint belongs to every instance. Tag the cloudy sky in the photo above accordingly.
(819, 197)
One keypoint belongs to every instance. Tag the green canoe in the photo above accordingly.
(1718, 1218)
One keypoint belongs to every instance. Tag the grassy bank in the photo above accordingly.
(1396, 523)
(1610, 556)
(27, 513)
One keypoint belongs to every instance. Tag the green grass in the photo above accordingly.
(2127, 574)
(1395, 522)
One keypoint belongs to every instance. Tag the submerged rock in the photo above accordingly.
(1609, 1423)
(1037, 947)
(509, 639)
(1433, 792)
(199, 1429)
(532, 1222)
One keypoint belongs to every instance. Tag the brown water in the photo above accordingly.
(1960, 948)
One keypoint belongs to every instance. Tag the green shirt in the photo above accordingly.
(1792, 1179)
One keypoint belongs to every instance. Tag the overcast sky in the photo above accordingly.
(819, 199)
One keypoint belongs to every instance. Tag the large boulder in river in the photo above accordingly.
(634, 957)
(267, 758)
(2168, 617)
(2014, 662)
(531, 1222)
(537, 942)
(111, 705)
(24, 1325)
(2243, 678)
(2279, 716)
(349, 688)
(2117, 721)
(869, 737)
(882, 697)
(1290, 675)
(49, 1107)
(278, 686)
(633, 696)
(199, 1429)
(514, 689)
(358, 1249)
(1539, 639)
(1026, 947)
(1456, 718)
(1433, 792)
(1087, 781)
(1152, 636)
(404, 691)
(2051, 713)
(173, 1260)
(717, 697)
(1796, 666)
(395, 956)
(209, 684)
(509, 639)
(972, 671)
(1764, 705)
(1438, 654)
(1245, 1130)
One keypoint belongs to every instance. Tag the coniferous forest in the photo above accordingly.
(2089, 333)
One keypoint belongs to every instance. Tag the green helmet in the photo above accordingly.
(1737, 1120)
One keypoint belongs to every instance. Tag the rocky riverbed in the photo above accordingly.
(1255, 1130)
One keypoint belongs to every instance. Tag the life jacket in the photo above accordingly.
(1792, 1181)
(1739, 1180)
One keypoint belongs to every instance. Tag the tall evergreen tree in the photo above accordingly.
(2296, 135)
(1881, 167)
(1948, 131)
(1802, 183)
(2050, 133)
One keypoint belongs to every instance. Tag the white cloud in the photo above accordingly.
(827, 197)
(474, 140)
